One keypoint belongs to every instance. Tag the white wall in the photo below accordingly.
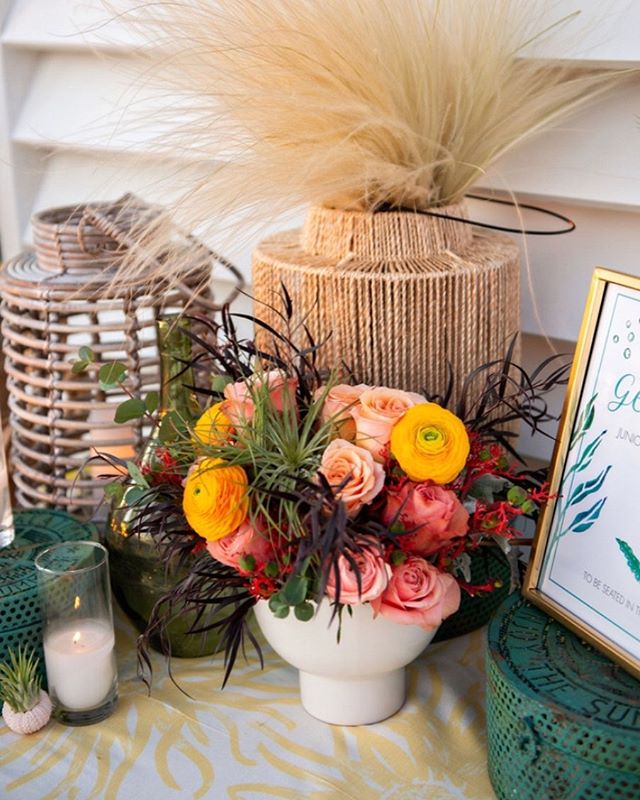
(70, 132)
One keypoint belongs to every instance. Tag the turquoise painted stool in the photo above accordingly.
(563, 721)
(20, 622)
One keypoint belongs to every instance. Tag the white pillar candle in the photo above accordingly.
(81, 666)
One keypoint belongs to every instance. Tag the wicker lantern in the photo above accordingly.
(402, 296)
(57, 300)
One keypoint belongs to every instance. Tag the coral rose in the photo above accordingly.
(245, 541)
(240, 404)
(338, 404)
(433, 515)
(374, 576)
(214, 426)
(364, 477)
(430, 444)
(215, 498)
(418, 594)
(377, 412)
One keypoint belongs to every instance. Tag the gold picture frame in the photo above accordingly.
(577, 573)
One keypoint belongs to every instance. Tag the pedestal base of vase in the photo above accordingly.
(358, 701)
(356, 680)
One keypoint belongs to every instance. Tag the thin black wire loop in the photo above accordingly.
(571, 225)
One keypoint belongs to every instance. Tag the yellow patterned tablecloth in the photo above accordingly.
(253, 741)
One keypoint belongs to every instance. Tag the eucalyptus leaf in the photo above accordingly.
(171, 427)
(247, 563)
(151, 401)
(276, 601)
(136, 476)
(111, 375)
(79, 367)
(516, 496)
(304, 612)
(112, 488)
(487, 487)
(134, 495)
(271, 570)
(294, 592)
(114, 492)
(130, 409)
(86, 354)
(218, 382)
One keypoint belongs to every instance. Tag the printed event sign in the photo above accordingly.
(585, 566)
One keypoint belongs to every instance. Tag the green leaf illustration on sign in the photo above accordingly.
(583, 490)
(573, 495)
(633, 562)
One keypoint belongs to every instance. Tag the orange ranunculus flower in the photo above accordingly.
(430, 444)
(214, 426)
(215, 499)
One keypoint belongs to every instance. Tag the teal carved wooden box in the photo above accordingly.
(563, 721)
(20, 622)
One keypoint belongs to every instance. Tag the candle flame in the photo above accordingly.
(76, 603)
(76, 637)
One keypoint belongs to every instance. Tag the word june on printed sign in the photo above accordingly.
(585, 565)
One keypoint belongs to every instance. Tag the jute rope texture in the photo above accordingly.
(400, 295)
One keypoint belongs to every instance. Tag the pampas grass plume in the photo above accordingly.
(354, 104)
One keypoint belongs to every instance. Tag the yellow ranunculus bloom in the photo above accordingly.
(430, 443)
(215, 498)
(214, 427)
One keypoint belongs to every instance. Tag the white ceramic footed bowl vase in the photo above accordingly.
(357, 681)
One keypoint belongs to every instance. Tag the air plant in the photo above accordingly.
(26, 707)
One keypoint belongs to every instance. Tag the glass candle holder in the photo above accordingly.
(78, 637)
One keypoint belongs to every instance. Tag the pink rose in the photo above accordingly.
(344, 460)
(374, 577)
(339, 401)
(239, 405)
(432, 514)
(377, 412)
(418, 594)
(245, 541)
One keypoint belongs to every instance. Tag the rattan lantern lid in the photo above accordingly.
(88, 238)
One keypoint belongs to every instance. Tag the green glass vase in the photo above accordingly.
(139, 577)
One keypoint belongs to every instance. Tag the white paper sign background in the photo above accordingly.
(587, 572)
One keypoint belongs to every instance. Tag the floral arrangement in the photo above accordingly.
(297, 488)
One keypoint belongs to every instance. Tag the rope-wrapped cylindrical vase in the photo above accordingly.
(400, 295)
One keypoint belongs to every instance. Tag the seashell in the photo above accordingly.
(28, 721)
